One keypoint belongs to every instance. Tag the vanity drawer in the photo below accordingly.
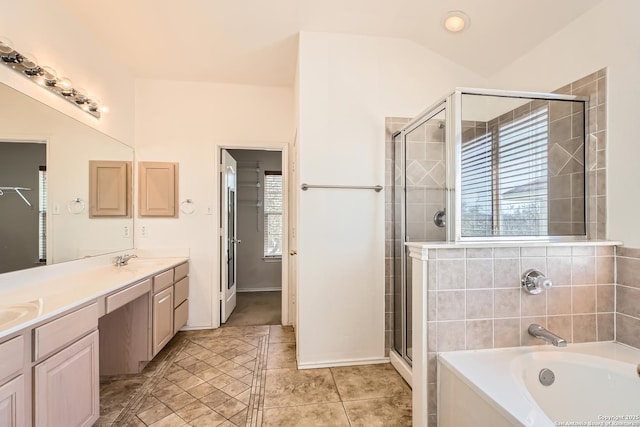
(181, 270)
(125, 296)
(180, 316)
(11, 356)
(58, 333)
(181, 291)
(162, 281)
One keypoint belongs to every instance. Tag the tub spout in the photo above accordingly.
(538, 331)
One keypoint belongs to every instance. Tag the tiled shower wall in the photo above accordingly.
(476, 302)
(593, 86)
(628, 296)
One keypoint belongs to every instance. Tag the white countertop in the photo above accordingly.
(64, 293)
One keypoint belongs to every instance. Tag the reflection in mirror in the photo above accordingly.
(522, 167)
(49, 152)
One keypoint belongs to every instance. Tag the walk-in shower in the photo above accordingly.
(486, 165)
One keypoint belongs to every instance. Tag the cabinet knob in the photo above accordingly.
(293, 253)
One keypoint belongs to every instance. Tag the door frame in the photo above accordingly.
(283, 147)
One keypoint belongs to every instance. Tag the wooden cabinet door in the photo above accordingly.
(12, 410)
(162, 319)
(67, 386)
(109, 188)
(158, 189)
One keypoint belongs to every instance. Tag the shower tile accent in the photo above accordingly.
(627, 296)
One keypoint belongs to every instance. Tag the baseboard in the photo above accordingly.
(272, 289)
(401, 366)
(343, 362)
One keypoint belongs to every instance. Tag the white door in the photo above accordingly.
(228, 240)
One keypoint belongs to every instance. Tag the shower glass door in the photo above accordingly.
(419, 208)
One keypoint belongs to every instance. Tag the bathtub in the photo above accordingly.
(596, 384)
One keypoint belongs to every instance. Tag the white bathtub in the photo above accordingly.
(596, 384)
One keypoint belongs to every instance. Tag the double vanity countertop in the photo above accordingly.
(24, 306)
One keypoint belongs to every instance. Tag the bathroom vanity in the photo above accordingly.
(57, 337)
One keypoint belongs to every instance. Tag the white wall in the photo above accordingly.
(44, 29)
(185, 122)
(347, 86)
(254, 273)
(606, 36)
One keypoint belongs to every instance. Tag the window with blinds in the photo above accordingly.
(42, 216)
(505, 179)
(272, 214)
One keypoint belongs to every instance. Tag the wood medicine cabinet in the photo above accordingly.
(158, 189)
(109, 188)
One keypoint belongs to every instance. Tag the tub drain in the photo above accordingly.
(547, 377)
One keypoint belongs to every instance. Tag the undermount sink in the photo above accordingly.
(15, 313)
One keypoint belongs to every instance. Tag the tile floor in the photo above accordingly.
(256, 308)
(247, 376)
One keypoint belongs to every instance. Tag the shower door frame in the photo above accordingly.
(426, 115)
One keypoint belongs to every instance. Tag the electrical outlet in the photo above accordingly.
(56, 209)
(144, 231)
(126, 231)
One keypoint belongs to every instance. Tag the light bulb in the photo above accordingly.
(6, 45)
(30, 63)
(49, 76)
(7, 53)
(66, 88)
(81, 96)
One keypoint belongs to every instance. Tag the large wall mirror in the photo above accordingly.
(44, 186)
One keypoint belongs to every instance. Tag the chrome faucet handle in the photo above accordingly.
(534, 282)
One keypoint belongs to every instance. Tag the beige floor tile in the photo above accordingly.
(221, 380)
(193, 411)
(210, 420)
(235, 388)
(202, 390)
(289, 387)
(171, 420)
(278, 333)
(281, 355)
(239, 419)
(178, 401)
(215, 399)
(323, 415)
(154, 414)
(369, 382)
(380, 412)
(230, 408)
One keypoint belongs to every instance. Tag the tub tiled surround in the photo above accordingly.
(475, 300)
(628, 296)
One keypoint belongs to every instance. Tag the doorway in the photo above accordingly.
(253, 223)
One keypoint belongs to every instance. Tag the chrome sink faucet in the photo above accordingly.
(538, 331)
(122, 260)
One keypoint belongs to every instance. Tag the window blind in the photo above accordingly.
(504, 178)
(272, 214)
(42, 216)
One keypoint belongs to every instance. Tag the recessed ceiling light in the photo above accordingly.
(455, 21)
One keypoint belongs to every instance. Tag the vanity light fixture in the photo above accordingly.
(455, 21)
(27, 65)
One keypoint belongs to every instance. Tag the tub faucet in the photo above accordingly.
(538, 331)
(121, 260)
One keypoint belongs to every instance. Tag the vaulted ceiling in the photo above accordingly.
(255, 41)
